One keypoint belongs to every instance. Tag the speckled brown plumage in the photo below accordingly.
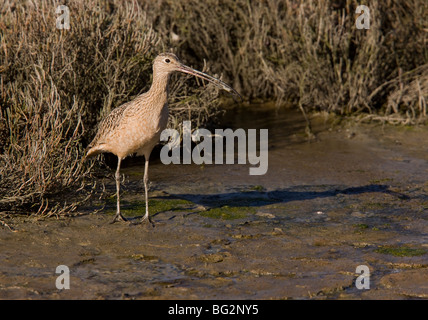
(136, 126)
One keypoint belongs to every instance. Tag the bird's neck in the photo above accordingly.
(159, 88)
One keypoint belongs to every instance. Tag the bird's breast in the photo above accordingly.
(163, 118)
(146, 128)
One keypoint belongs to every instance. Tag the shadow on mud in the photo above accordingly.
(254, 198)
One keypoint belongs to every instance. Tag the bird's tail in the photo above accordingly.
(93, 151)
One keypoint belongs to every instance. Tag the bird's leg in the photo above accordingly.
(146, 180)
(118, 216)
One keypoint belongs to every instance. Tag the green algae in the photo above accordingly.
(401, 251)
(228, 212)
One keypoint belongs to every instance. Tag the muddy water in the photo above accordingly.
(356, 195)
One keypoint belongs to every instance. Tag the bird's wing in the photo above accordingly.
(109, 124)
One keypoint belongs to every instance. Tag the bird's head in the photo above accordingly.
(167, 63)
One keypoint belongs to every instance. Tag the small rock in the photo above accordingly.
(212, 258)
(277, 231)
(265, 215)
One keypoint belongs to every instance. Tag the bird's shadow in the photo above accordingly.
(257, 198)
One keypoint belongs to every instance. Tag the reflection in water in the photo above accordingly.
(281, 123)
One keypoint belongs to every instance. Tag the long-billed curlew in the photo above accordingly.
(136, 126)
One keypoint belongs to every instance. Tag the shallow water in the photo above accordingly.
(355, 195)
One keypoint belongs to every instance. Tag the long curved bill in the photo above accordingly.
(217, 82)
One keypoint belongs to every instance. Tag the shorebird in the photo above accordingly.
(136, 126)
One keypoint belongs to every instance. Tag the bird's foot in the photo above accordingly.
(146, 219)
(118, 217)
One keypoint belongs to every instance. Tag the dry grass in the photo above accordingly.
(55, 85)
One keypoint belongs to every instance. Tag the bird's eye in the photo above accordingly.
(167, 60)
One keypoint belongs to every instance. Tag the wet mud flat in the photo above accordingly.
(358, 195)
